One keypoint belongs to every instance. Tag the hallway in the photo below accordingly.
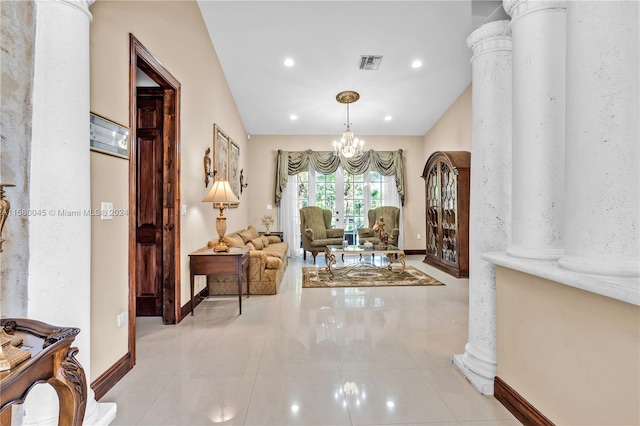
(358, 356)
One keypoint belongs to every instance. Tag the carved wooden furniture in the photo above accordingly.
(207, 262)
(447, 179)
(52, 361)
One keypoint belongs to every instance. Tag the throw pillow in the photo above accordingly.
(234, 240)
(274, 239)
(247, 236)
(265, 241)
(254, 231)
(257, 243)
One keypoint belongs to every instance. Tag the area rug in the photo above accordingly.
(364, 276)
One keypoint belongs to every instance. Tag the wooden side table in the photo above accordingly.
(276, 233)
(207, 262)
(52, 361)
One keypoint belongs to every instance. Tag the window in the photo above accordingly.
(325, 191)
(376, 185)
(347, 196)
(359, 194)
(303, 189)
(354, 213)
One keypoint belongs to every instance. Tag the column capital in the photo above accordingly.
(519, 8)
(492, 36)
(81, 5)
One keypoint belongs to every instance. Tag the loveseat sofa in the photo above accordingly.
(267, 263)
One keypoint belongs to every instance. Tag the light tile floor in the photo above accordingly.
(288, 359)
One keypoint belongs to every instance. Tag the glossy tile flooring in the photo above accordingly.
(356, 356)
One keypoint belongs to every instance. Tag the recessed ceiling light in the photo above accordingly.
(416, 64)
(388, 118)
(293, 117)
(288, 62)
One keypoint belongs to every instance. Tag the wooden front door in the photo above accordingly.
(149, 203)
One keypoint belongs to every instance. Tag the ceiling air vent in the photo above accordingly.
(370, 62)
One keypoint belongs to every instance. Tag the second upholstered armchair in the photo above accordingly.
(391, 216)
(317, 233)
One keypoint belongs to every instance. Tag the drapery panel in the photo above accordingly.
(388, 163)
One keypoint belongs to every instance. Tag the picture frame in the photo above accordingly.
(220, 153)
(222, 145)
(108, 137)
(234, 167)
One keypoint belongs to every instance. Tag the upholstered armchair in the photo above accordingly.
(391, 216)
(317, 233)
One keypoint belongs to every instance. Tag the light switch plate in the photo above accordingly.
(106, 211)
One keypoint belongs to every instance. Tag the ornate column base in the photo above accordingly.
(478, 370)
(103, 414)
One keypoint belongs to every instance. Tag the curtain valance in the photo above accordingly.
(388, 163)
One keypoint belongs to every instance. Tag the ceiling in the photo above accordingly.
(326, 40)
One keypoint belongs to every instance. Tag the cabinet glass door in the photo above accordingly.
(449, 215)
(433, 210)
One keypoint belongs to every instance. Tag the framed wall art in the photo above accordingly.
(234, 167)
(220, 153)
(223, 150)
(108, 137)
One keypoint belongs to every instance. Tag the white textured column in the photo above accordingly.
(490, 203)
(538, 31)
(602, 229)
(60, 246)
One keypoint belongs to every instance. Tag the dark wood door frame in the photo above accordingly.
(143, 59)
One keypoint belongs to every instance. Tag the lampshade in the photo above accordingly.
(220, 192)
(220, 195)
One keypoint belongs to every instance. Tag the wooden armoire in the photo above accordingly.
(447, 177)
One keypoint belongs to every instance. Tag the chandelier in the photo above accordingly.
(348, 145)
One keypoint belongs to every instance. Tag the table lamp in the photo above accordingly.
(221, 194)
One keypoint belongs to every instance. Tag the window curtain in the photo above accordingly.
(387, 163)
(290, 226)
(392, 198)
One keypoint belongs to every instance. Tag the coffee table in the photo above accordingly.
(393, 253)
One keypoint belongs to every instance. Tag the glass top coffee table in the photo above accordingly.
(393, 253)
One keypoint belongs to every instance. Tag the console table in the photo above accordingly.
(275, 233)
(52, 361)
(207, 262)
